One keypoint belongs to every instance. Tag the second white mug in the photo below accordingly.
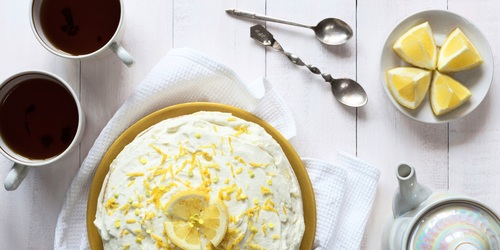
(22, 164)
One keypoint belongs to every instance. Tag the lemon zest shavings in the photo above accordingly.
(111, 204)
(265, 190)
(187, 183)
(165, 156)
(256, 165)
(170, 169)
(268, 208)
(157, 238)
(232, 172)
(135, 174)
(130, 184)
(182, 167)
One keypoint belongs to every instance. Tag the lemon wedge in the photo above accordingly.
(409, 85)
(447, 94)
(192, 218)
(458, 53)
(417, 47)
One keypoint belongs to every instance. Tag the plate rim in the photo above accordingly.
(308, 199)
(383, 80)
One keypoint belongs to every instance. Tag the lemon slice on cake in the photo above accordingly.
(409, 85)
(458, 53)
(418, 47)
(214, 220)
(183, 235)
(192, 214)
(447, 94)
(185, 204)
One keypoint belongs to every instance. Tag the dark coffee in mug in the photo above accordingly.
(38, 118)
(79, 27)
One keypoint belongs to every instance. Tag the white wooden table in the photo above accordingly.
(463, 156)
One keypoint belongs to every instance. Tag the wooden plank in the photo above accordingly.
(323, 125)
(107, 82)
(205, 26)
(474, 139)
(385, 135)
(36, 203)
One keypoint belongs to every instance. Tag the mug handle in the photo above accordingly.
(122, 54)
(16, 176)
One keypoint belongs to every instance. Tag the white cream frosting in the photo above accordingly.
(230, 144)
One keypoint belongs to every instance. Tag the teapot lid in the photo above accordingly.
(456, 226)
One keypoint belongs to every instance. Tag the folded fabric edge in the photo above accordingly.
(346, 160)
(326, 166)
(286, 125)
(200, 57)
(324, 234)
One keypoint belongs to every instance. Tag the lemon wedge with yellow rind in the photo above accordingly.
(418, 47)
(447, 94)
(194, 218)
(409, 85)
(458, 53)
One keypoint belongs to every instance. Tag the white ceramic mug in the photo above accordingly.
(112, 46)
(21, 163)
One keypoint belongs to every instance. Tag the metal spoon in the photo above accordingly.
(330, 31)
(345, 90)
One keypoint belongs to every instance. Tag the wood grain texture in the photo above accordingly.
(323, 125)
(466, 161)
(205, 26)
(474, 140)
(386, 136)
(107, 82)
(37, 202)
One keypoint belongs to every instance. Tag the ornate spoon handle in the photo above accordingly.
(345, 90)
(259, 33)
(252, 15)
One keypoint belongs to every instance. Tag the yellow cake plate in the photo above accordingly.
(185, 109)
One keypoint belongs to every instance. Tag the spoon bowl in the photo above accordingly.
(349, 92)
(345, 90)
(330, 31)
(333, 31)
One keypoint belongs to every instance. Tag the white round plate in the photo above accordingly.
(442, 22)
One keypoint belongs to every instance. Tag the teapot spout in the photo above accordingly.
(410, 193)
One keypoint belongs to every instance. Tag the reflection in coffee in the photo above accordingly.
(79, 27)
(38, 118)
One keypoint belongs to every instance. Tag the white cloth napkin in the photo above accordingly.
(344, 193)
(184, 75)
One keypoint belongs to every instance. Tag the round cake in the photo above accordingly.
(208, 180)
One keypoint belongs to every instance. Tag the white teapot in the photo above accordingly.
(424, 219)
